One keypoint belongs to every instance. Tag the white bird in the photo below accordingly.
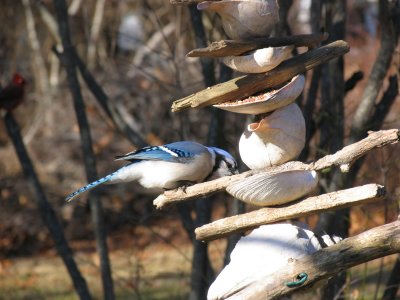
(169, 166)
(261, 253)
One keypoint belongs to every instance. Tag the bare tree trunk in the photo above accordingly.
(46, 210)
(69, 62)
(389, 37)
(392, 284)
(202, 273)
(363, 117)
(95, 31)
(332, 128)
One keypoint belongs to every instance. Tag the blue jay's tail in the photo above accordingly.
(88, 187)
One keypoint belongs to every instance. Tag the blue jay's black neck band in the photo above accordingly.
(218, 159)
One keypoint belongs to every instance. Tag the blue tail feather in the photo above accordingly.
(88, 187)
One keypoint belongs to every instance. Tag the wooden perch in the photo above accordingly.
(233, 48)
(209, 187)
(343, 158)
(246, 85)
(374, 243)
(349, 154)
(187, 1)
(311, 205)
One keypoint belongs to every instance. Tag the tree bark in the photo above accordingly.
(69, 62)
(46, 211)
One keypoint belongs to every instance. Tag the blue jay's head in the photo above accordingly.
(225, 164)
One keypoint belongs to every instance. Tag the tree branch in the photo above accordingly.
(233, 47)
(378, 73)
(343, 158)
(246, 85)
(306, 207)
(69, 62)
(374, 243)
(187, 1)
(45, 209)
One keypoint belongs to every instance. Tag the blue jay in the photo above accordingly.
(169, 166)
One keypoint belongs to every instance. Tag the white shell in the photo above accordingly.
(276, 139)
(257, 256)
(245, 19)
(258, 61)
(266, 189)
(268, 101)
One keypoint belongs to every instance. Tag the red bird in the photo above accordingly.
(13, 94)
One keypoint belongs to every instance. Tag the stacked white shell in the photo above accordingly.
(268, 101)
(279, 135)
(263, 252)
(267, 189)
(276, 139)
(258, 61)
(245, 19)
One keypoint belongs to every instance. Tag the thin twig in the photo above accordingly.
(95, 31)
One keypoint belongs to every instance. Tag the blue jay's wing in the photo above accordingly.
(174, 152)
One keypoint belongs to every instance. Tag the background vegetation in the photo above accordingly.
(152, 253)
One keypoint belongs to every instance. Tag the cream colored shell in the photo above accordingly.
(276, 139)
(266, 189)
(245, 19)
(258, 256)
(268, 101)
(258, 61)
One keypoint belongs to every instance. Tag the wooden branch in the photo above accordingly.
(187, 1)
(312, 205)
(374, 243)
(343, 158)
(246, 85)
(233, 47)
(69, 62)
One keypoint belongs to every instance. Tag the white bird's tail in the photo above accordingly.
(88, 187)
(124, 174)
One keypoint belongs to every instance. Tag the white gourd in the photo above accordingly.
(276, 139)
